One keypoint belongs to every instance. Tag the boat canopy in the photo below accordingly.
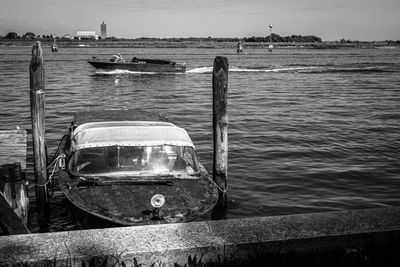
(129, 133)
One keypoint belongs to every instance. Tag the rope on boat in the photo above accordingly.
(52, 173)
(54, 161)
(54, 170)
(55, 157)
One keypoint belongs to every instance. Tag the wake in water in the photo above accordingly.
(367, 68)
(343, 69)
(120, 72)
(298, 69)
(128, 72)
(207, 70)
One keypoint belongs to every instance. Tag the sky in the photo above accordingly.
(363, 20)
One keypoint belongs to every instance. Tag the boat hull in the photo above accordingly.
(129, 205)
(138, 66)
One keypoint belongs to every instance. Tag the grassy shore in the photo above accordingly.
(182, 43)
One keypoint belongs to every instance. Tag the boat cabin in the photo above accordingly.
(127, 148)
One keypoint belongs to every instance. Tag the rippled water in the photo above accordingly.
(309, 130)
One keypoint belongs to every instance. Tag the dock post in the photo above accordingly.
(220, 133)
(37, 100)
(14, 201)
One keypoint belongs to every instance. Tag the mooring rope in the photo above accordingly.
(38, 92)
(220, 189)
(50, 179)
(61, 156)
(22, 121)
(58, 149)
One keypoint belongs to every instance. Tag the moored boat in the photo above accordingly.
(239, 48)
(131, 168)
(138, 65)
(54, 47)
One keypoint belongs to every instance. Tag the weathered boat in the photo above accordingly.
(138, 65)
(132, 168)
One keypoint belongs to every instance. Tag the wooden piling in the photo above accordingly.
(10, 223)
(37, 100)
(220, 133)
(14, 201)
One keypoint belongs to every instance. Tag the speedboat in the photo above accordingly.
(133, 167)
(138, 65)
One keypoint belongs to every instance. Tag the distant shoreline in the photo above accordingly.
(197, 44)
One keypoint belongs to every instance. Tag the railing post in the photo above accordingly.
(220, 133)
(37, 100)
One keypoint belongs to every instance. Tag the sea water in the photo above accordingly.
(309, 130)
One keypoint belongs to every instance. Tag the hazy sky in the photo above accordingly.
(331, 20)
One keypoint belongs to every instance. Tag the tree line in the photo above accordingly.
(28, 35)
(274, 38)
(287, 39)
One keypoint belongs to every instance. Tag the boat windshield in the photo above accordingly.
(135, 160)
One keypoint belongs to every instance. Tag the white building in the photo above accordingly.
(87, 35)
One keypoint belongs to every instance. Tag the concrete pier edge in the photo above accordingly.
(173, 243)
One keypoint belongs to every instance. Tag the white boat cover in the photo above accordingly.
(129, 133)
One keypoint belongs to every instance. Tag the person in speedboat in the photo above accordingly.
(117, 58)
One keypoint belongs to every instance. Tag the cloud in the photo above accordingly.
(320, 8)
(176, 6)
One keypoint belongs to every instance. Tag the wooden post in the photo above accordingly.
(13, 200)
(37, 99)
(220, 133)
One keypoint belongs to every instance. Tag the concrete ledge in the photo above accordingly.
(173, 243)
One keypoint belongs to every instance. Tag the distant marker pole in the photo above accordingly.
(270, 46)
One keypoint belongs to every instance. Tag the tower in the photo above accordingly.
(103, 30)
